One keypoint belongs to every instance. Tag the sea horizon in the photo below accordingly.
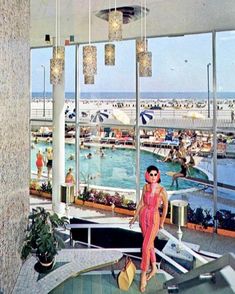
(143, 95)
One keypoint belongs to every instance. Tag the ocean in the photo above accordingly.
(144, 95)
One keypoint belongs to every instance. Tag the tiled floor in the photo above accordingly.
(104, 283)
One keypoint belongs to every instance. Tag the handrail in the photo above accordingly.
(124, 225)
(209, 183)
(185, 247)
(210, 267)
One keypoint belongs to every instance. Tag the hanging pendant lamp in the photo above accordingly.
(56, 71)
(89, 80)
(141, 44)
(57, 61)
(115, 25)
(109, 54)
(145, 57)
(145, 64)
(89, 60)
(89, 57)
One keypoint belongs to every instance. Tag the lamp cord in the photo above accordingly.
(56, 26)
(141, 20)
(145, 30)
(89, 9)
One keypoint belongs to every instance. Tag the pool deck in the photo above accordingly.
(210, 242)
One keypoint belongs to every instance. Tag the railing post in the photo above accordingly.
(89, 237)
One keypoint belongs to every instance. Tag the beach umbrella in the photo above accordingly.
(194, 115)
(45, 130)
(121, 116)
(99, 116)
(71, 115)
(146, 116)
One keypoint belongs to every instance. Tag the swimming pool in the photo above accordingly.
(117, 168)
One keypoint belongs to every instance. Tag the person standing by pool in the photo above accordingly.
(39, 163)
(153, 195)
(49, 158)
(69, 178)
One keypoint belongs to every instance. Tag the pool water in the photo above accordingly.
(117, 168)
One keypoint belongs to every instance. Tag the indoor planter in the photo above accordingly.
(42, 237)
(124, 211)
(43, 190)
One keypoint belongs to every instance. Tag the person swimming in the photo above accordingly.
(88, 156)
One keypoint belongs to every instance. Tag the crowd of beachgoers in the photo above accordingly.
(223, 104)
(161, 107)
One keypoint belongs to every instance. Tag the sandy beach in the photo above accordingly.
(168, 107)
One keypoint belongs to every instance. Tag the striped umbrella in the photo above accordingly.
(99, 116)
(146, 116)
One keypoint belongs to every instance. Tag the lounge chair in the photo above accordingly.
(221, 149)
(206, 149)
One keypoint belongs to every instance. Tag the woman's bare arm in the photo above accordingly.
(165, 207)
(140, 205)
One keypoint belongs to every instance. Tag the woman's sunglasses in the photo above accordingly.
(153, 175)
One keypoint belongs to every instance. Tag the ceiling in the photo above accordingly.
(165, 17)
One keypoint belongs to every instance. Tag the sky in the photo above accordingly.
(179, 64)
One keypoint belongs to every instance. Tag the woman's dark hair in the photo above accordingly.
(153, 167)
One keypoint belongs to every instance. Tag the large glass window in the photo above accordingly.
(176, 112)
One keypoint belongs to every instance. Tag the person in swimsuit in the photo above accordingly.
(39, 163)
(181, 174)
(69, 178)
(49, 158)
(153, 195)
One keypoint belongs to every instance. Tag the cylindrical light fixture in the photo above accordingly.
(115, 25)
(56, 71)
(57, 65)
(109, 54)
(145, 64)
(89, 60)
(141, 46)
(59, 52)
(89, 80)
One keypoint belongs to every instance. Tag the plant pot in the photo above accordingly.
(191, 226)
(35, 192)
(203, 229)
(45, 195)
(124, 211)
(78, 201)
(226, 233)
(102, 206)
(43, 265)
(88, 203)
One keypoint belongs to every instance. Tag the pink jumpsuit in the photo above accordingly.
(149, 223)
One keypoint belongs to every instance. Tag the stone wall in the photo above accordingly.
(14, 135)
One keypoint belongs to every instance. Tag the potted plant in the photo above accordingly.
(35, 188)
(46, 190)
(42, 237)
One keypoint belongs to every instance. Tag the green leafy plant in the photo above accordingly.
(34, 185)
(46, 187)
(41, 236)
(226, 219)
(105, 198)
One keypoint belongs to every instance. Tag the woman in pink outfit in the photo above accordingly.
(153, 195)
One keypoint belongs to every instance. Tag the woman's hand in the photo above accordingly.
(132, 221)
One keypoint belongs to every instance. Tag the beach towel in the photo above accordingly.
(170, 173)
